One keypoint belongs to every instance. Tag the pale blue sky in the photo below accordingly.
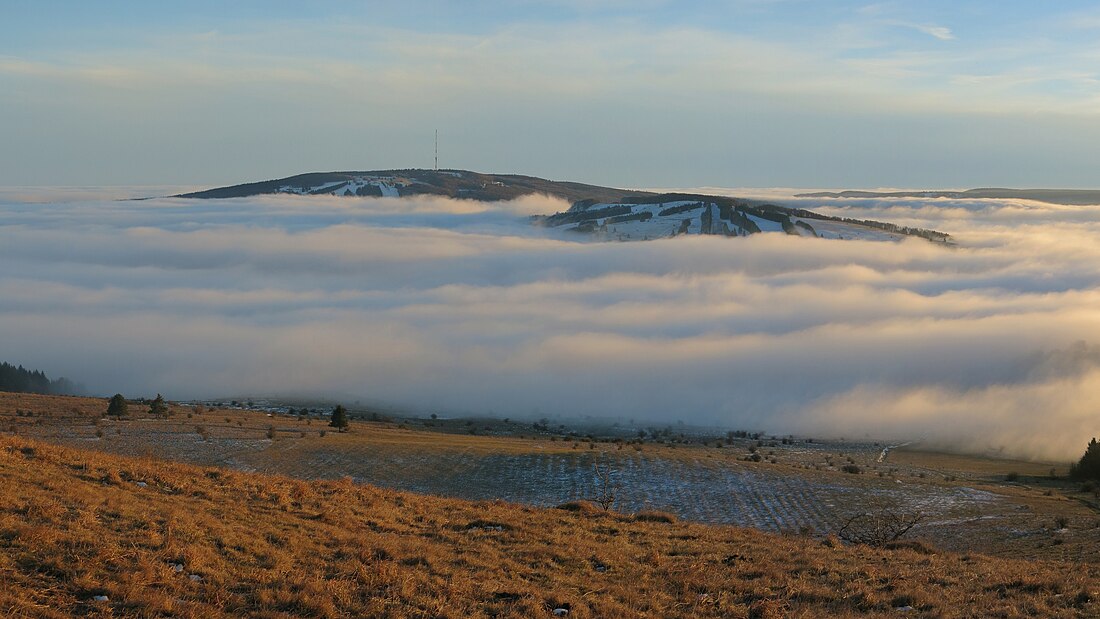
(794, 93)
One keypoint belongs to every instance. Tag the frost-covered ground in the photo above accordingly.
(799, 484)
(700, 491)
(695, 489)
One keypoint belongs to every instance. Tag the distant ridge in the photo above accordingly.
(1077, 197)
(400, 183)
(605, 213)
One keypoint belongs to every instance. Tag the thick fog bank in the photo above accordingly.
(455, 306)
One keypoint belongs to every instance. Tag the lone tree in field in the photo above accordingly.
(158, 408)
(339, 418)
(1088, 467)
(117, 405)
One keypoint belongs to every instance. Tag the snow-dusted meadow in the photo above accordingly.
(463, 307)
(699, 490)
(799, 485)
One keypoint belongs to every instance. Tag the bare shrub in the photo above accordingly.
(607, 489)
(877, 528)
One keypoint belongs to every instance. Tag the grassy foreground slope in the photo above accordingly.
(160, 538)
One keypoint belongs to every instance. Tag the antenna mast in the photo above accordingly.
(437, 150)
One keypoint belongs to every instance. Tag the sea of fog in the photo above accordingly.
(439, 305)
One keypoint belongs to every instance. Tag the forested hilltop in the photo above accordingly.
(21, 380)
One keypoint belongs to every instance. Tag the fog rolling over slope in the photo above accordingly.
(454, 306)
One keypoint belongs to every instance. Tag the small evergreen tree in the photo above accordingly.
(1088, 467)
(117, 405)
(339, 418)
(158, 408)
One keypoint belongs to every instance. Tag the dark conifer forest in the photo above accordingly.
(21, 380)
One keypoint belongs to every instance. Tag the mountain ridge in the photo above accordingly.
(605, 213)
(410, 182)
(1069, 197)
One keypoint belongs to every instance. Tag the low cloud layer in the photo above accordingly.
(436, 305)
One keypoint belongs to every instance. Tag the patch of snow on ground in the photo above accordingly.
(840, 230)
(321, 188)
(765, 225)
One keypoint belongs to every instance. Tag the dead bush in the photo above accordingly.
(877, 528)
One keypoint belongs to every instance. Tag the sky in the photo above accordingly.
(735, 93)
(431, 305)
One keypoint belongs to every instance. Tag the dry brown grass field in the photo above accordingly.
(268, 519)
(159, 538)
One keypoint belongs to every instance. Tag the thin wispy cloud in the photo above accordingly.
(942, 33)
